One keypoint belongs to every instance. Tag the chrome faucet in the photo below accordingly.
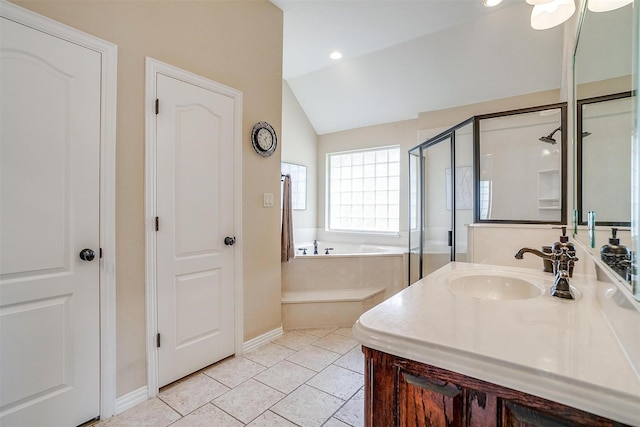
(315, 247)
(562, 264)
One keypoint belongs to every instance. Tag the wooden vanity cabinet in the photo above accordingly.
(401, 392)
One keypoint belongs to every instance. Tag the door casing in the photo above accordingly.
(108, 92)
(154, 67)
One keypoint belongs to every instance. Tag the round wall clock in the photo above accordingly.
(264, 139)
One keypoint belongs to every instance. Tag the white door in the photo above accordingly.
(194, 205)
(49, 213)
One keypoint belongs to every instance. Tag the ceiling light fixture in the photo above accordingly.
(548, 14)
(335, 55)
(606, 5)
(492, 3)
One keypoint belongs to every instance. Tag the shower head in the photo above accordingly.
(585, 134)
(549, 138)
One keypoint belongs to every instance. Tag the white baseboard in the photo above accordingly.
(140, 395)
(131, 399)
(261, 339)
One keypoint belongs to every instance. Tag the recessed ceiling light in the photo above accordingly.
(491, 3)
(335, 55)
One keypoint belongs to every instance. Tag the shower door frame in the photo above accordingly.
(450, 136)
(562, 106)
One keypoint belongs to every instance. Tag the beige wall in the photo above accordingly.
(604, 87)
(237, 43)
(444, 119)
(299, 146)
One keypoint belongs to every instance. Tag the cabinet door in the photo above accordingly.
(530, 414)
(428, 402)
(514, 415)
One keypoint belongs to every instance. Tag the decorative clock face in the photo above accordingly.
(263, 139)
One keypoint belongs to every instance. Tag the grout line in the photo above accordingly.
(240, 421)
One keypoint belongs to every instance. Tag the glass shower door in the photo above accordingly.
(437, 190)
(441, 199)
(464, 193)
(415, 223)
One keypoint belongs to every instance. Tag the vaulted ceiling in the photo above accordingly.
(401, 58)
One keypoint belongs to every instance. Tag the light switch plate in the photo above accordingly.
(268, 200)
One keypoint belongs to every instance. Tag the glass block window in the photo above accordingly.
(364, 190)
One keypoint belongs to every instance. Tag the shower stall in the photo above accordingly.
(441, 199)
(507, 167)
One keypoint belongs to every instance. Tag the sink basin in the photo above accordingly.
(494, 287)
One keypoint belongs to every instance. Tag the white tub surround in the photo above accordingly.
(561, 350)
(327, 307)
(334, 290)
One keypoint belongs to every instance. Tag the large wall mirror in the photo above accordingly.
(603, 150)
(605, 115)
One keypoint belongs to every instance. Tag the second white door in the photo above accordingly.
(194, 204)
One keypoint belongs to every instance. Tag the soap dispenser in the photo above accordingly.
(616, 255)
(564, 243)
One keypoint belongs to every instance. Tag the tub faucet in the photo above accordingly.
(315, 247)
(562, 263)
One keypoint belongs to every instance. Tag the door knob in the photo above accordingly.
(87, 255)
(229, 241)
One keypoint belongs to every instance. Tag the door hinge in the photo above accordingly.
(450, 238)
(157, 105)
(157, 224)
(100, 252)
(158, 341)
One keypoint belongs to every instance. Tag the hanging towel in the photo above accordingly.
(287, 250)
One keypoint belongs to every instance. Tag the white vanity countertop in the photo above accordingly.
(561, 350)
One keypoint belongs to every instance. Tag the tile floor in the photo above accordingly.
(306, 377)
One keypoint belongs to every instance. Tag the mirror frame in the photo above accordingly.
(581, 219)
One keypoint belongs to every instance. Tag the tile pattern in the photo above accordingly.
(308, 406)
(248, 400)
(153, 412)
(189, 394)
(306, 377)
